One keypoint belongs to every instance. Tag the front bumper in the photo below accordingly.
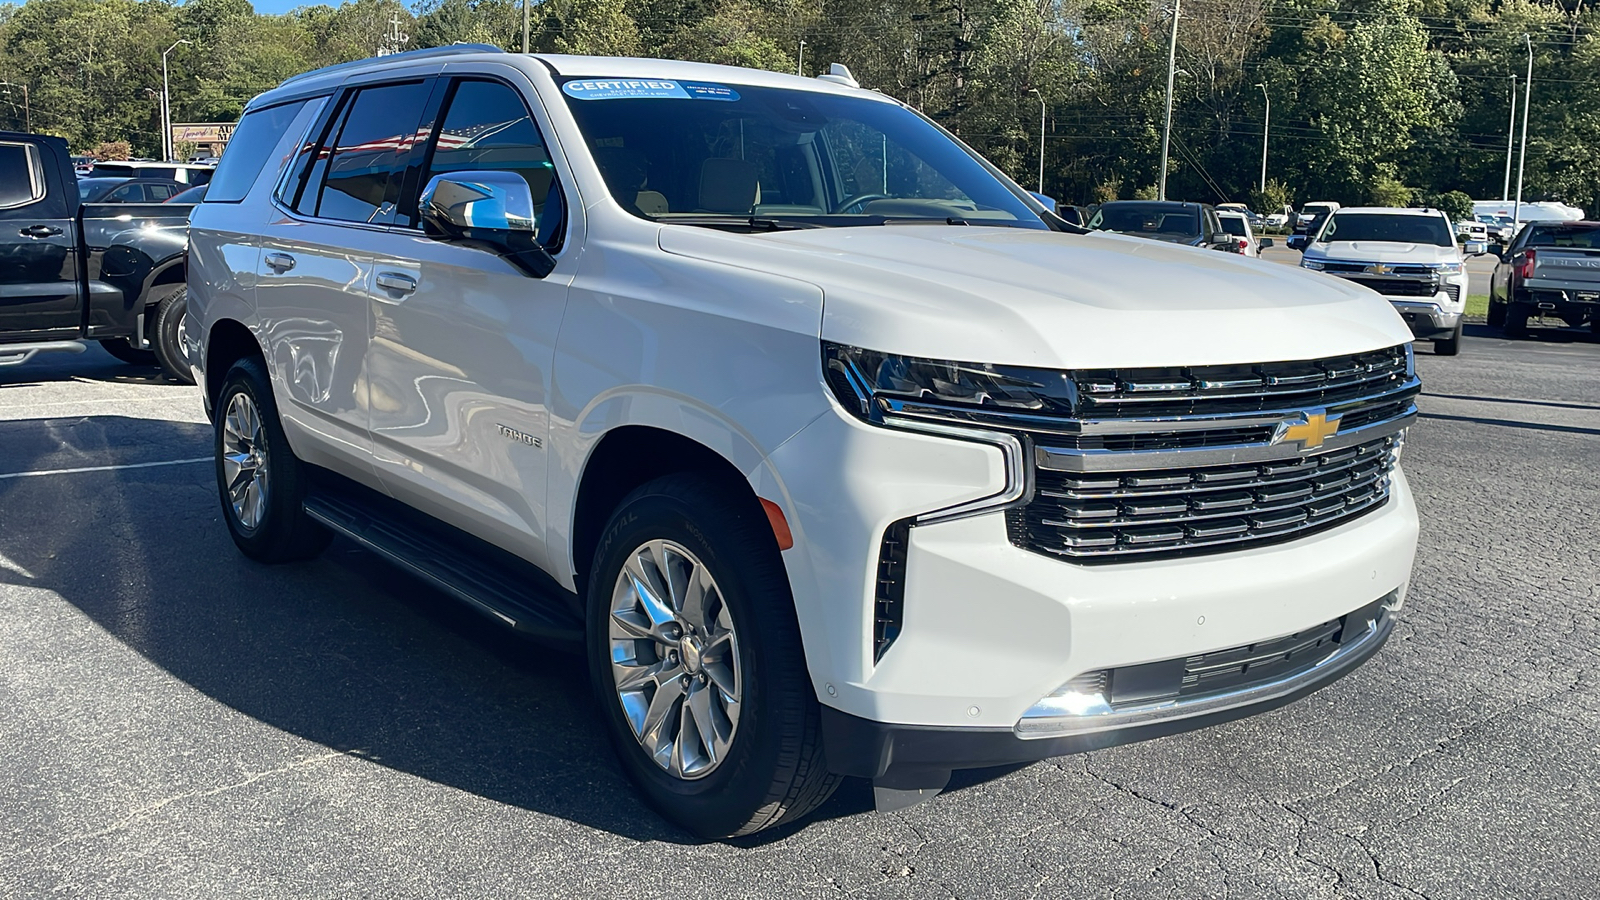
(1427, 319)
(915, 757)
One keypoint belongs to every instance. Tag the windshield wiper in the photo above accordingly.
(919, 220)
(745, 224)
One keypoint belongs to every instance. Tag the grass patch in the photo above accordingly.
(1478, 305)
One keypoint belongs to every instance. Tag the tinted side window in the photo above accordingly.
(373, 141)
(157, 193)
(486, 126)
(21, 180)
(258, 132)
(128, 193)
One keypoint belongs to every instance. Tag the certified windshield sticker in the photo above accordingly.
(618, 89)
(630, 89)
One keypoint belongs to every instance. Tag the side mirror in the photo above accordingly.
(1221, 237)
(1476, 248)
(1265, 243)
(490, 210)
(1298, 242)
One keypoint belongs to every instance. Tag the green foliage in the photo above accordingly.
(1455, 204)
(1373, 101)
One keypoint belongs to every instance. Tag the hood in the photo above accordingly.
(1383, 251)
(1043, 298)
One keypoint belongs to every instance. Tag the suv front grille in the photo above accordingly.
(1399, 288)
(1089, 516)
(1220, 390)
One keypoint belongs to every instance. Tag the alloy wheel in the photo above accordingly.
(675, 659)
(244, 461)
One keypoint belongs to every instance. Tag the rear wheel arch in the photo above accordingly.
(228, 342)
(628, 457)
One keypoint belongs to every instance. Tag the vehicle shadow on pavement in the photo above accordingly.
(1547, 331)
(343, 651)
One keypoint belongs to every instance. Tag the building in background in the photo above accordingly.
(205, 139)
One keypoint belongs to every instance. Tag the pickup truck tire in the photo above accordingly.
(123, 349)
(259, 480)
(1516, 320)
(1451, 345)
(664, 666)
(1497, 314)
(167, 335)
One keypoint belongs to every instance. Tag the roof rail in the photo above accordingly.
(404, 56)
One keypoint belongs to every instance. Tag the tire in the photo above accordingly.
(1451, 345)
(264, 515)
(1594, 323)
(771, 768)
(1516, 321)
(1497, 314)
(123, 349)
(167, 335)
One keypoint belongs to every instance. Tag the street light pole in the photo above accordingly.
(1035, 92)
(1522, 158)
(800, 64)
(1166, 132)
(526, 18)
(27, 110)
(166, 103)
(1511, 141)
(1266, 126)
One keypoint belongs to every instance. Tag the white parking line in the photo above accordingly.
(148, 465)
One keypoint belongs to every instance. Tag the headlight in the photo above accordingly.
(1449, 268)
(873, 385)
(1316, 264)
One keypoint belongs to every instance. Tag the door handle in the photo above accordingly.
(39, 231)
(396, 283)
(279, 263)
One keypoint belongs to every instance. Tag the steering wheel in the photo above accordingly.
(857, 200)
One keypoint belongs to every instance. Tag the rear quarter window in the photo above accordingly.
(21, 176)
(253, 141)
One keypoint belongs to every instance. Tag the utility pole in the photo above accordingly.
(799, 66)
(1266, 126)
(1172, 68)
(1511, 141)
(1522, 159)
(1035, 92)
(166, 103)
(526, 18)
(27, 109)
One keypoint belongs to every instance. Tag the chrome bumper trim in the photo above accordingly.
(1078, 714)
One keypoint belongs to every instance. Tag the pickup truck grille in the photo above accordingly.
(1220, 390)
(1089, 516)
(1392, 287)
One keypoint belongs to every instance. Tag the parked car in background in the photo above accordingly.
(1501, 229)
(1472, 230)
(1551, 269)
(73, 271)
(1250, 215)
(1311, 216)
(847, 463)
(1408, 255)
(1238, 225)
(82, 165)
(127, 190)
(1194, 224)
(180, 172)
(189, 195)
(1276, 220)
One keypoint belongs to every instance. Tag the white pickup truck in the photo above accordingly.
(1408, 255)
(830, 450)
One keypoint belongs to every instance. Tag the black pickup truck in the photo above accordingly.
(73, 272)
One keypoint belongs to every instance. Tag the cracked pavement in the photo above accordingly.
(176, 721)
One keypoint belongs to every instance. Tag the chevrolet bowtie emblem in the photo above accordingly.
(1379, 269)
(1310, 429)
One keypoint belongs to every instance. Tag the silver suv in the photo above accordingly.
(833, 451)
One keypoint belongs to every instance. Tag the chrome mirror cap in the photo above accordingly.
(477, 204)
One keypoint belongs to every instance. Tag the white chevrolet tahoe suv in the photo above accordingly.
(833, 452)
(1408, 255)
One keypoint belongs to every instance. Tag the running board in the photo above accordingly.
(490, 580)
(17, 354)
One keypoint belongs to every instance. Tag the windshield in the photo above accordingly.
(691, 150)
(1167, 219)
(95, 188)
(1576, 237)
(1387, 228)
(1233, 225)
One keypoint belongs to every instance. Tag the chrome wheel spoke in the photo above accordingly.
(674, 659)
(244, 461)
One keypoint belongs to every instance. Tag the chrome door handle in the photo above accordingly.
(396, 283)
(279, 263)
(39, 231)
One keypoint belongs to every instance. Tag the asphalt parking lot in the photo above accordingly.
(178, 722)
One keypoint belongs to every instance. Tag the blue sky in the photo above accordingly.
(274, 7)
